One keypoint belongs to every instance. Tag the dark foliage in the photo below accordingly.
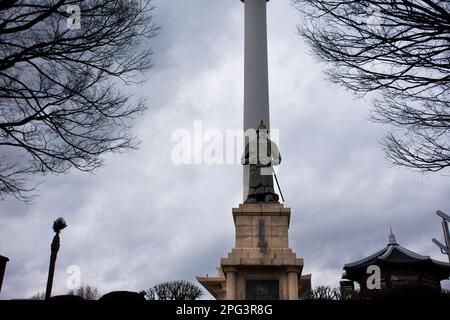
(174, 290)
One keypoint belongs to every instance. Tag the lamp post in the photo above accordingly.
(445, 249)
(3, 261)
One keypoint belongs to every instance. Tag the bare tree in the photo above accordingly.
(325, 293)
(398, 50)
(86, 292)
(38, 296)
(62, 102)
(174, 290)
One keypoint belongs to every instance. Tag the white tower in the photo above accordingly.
(256, 78)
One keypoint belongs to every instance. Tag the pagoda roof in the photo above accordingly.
(397, 256)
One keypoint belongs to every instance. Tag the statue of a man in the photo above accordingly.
(261, 154)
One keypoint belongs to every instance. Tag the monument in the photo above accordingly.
(261, 266)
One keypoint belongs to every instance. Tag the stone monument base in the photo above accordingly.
(261, 266)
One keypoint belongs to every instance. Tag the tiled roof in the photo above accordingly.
(394, 253)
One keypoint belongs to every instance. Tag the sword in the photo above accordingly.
(278, 185)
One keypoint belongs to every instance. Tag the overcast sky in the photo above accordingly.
(142, 219)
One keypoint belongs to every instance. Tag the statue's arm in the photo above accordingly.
(276, 156)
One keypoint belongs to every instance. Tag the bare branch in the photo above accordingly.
(398, 51)
(61, 105)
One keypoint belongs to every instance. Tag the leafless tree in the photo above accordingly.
(86, 292)
(174, 290)
(38, 296)
(62, 98)
(325, 293)
(399, 51)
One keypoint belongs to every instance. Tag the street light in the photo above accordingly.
(445, 249)
(3, 261)
(443, 215)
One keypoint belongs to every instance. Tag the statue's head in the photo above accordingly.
(262, 130)
(262, 126)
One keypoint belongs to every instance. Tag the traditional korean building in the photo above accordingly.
(398, 266)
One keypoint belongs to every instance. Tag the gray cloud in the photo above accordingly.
(141, 219)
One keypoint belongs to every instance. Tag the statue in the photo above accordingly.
(261, 154)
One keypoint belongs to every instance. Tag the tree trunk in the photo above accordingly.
(51, 268)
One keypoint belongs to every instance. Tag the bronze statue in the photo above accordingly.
(261, 154)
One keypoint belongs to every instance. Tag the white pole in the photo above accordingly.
(256, 79)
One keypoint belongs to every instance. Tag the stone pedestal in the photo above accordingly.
(261, 265)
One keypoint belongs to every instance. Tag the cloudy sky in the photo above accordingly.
(142, 219)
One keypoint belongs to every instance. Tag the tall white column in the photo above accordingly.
(256, 79)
